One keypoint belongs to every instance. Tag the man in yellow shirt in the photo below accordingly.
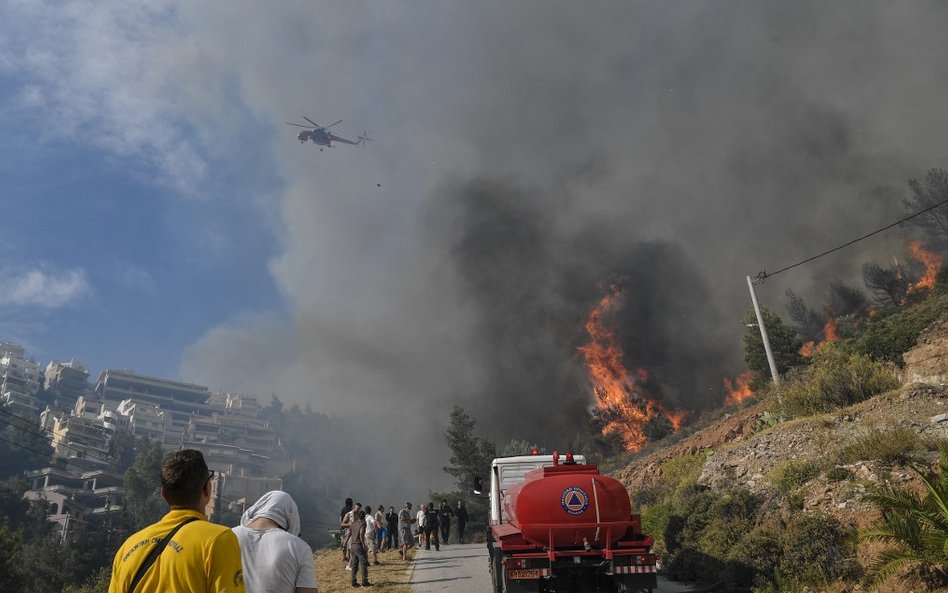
(202, 557)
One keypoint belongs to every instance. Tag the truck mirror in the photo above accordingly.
(477, 486)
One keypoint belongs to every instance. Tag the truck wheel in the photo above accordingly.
(496, 576)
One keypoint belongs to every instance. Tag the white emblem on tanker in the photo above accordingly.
(574, 500)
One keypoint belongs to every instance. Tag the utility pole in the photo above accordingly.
(763, 334)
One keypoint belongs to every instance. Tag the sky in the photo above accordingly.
(159, 215)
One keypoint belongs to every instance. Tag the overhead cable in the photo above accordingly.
(763, 275)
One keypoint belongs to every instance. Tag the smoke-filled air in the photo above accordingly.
(553, 222)
(561, 201)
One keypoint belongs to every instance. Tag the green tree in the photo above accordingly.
(784, 343)
(13, 507)
(97, 583)
(471, 455)
(143, 504)
(11, 545)
(23, 445)
(121, 451)
(915, 527)
(515, 447)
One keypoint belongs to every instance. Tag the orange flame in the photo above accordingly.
(739, 390)
(829, 330)
(830, 334)
(932, 263)
(620, 396)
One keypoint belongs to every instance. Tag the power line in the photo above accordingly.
(46, 433)
(46, 456)
(763, 275)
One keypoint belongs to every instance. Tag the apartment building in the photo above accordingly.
(64, 382)
(178, 401)
(240, 447)
(19, 382)
(143, 420)
(77, 493)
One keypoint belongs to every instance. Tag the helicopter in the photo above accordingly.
(321, 135)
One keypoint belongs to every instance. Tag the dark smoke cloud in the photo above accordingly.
(539, 151)
(535, 287)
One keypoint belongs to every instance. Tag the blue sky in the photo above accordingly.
(159, 215)
(107, 264)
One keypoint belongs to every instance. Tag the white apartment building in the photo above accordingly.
(19, 382)
(143, 420)
(64, 382)
(179, 401)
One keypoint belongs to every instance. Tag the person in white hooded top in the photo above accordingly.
(274, 557)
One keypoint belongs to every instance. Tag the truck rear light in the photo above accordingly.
(517, 563)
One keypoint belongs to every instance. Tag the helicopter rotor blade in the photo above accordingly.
(331, 125)
(312, 122)
(300, 125)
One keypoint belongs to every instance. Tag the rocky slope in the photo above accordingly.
(740, 451)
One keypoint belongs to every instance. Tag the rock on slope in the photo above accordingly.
(738, 454)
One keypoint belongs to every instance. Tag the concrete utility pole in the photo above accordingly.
(763, 334)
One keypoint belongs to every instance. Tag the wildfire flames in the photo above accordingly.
(829, 334)
(932, 263)
(738, 390)
(621, 397)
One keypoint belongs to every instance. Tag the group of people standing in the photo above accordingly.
(366, 533)
(186, 553)
(434, 523)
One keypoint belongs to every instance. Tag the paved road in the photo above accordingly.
(462, 568)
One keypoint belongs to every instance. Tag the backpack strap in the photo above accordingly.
(154, 553)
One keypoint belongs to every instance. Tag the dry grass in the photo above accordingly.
(390, 577)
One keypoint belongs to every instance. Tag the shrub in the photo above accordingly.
(818, 549)
(730, 518)
(889, 337)
(654, 522)
(755, 559)
(892, 446)
(787, 476)
(834, 379)
(766, 420)
(683, 470)
(706, 528)
(838, 474)
(693, 565)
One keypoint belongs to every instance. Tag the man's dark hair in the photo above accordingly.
(183, 476)
(348, 502)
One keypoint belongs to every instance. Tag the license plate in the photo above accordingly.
(521, 573)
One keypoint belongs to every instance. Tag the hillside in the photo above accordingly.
(818, 464)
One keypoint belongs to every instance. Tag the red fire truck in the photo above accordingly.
(558, 525)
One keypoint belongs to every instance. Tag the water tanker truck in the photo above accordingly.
(559, 526)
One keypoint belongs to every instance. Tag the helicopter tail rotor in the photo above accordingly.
(364, 138)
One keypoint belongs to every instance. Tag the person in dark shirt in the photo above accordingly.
(461, 514)
(391, 519)
(344, 529)
(446, 514)
(431, 527)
